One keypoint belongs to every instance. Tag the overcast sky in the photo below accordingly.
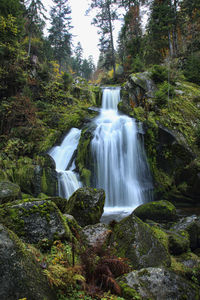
(83, 31)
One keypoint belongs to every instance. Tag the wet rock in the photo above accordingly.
(159, 283)
(86, 205)
(136, 241)
(9, 192)
(162, 211)
(35, 220)
(96, 235)
(20, 276)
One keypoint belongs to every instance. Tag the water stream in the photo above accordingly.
(68, 181)
(119, 156)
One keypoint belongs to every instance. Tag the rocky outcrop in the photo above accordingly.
(157, 283)
(157, 211)
(86, 205)
(136, 241)
(21, 277)
(9, 192)
(34, 220)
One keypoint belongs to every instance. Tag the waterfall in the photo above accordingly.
(63, 156)
(119, 156)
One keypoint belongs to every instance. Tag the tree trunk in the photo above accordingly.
(111, 38)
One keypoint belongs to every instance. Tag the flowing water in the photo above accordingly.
(121, 167)
(63, 156)
(119, 156)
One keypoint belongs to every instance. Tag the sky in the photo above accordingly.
(83, 31)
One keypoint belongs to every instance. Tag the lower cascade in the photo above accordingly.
(63, 156)
(119, 156)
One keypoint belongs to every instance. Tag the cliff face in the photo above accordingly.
(170, 114)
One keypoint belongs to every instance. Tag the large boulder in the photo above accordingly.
(35, 220)
(9, 192)
(136, 241)
(192, 226)
(86, 205)
(157, 283)
(162, 211)
(20, 276)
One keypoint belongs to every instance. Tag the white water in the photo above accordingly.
(121, 166)
(63, 156)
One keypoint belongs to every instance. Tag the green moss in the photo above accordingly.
(128, 292)
(161, 236)
(83, 160)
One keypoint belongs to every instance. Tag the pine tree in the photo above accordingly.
(59, 33)
(36, 16)
(106, 14)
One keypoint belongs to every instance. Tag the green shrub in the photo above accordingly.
(164, 92)
(159, 73)
(192, 68)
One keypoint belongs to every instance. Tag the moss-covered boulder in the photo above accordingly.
(84, 156)
(192, 226)
(178, 242)
(21, 277)
(162, 211)
(9, 192)
(136, 241)
(158, 283)
(33, 220)
(86, 205)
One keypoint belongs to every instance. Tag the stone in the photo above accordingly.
(190, 224)
(35, 220)
(86, 205)
(9, 192)
(96, 235)
(135, 240)
(163, 211)
(159, 283)
(178, 242)
(21, 277)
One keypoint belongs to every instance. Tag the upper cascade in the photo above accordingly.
(111, 98)
(119, 156)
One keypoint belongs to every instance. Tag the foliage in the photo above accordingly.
(159, 73)
(192, 68)
(101, 268)
(59, 32)
(164, 93)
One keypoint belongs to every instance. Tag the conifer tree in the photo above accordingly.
(106, 14)
(59, 32)
(36, 16)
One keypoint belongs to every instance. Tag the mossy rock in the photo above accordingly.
(136, 241)
(9, 192)
(179, 242)
(34, 220)
(86, 205)
(159, 283)
(162, 211)
(84, 156)
(21, 277)
(192, 226)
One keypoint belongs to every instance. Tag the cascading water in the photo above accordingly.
(121, 165)
(63, 156)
